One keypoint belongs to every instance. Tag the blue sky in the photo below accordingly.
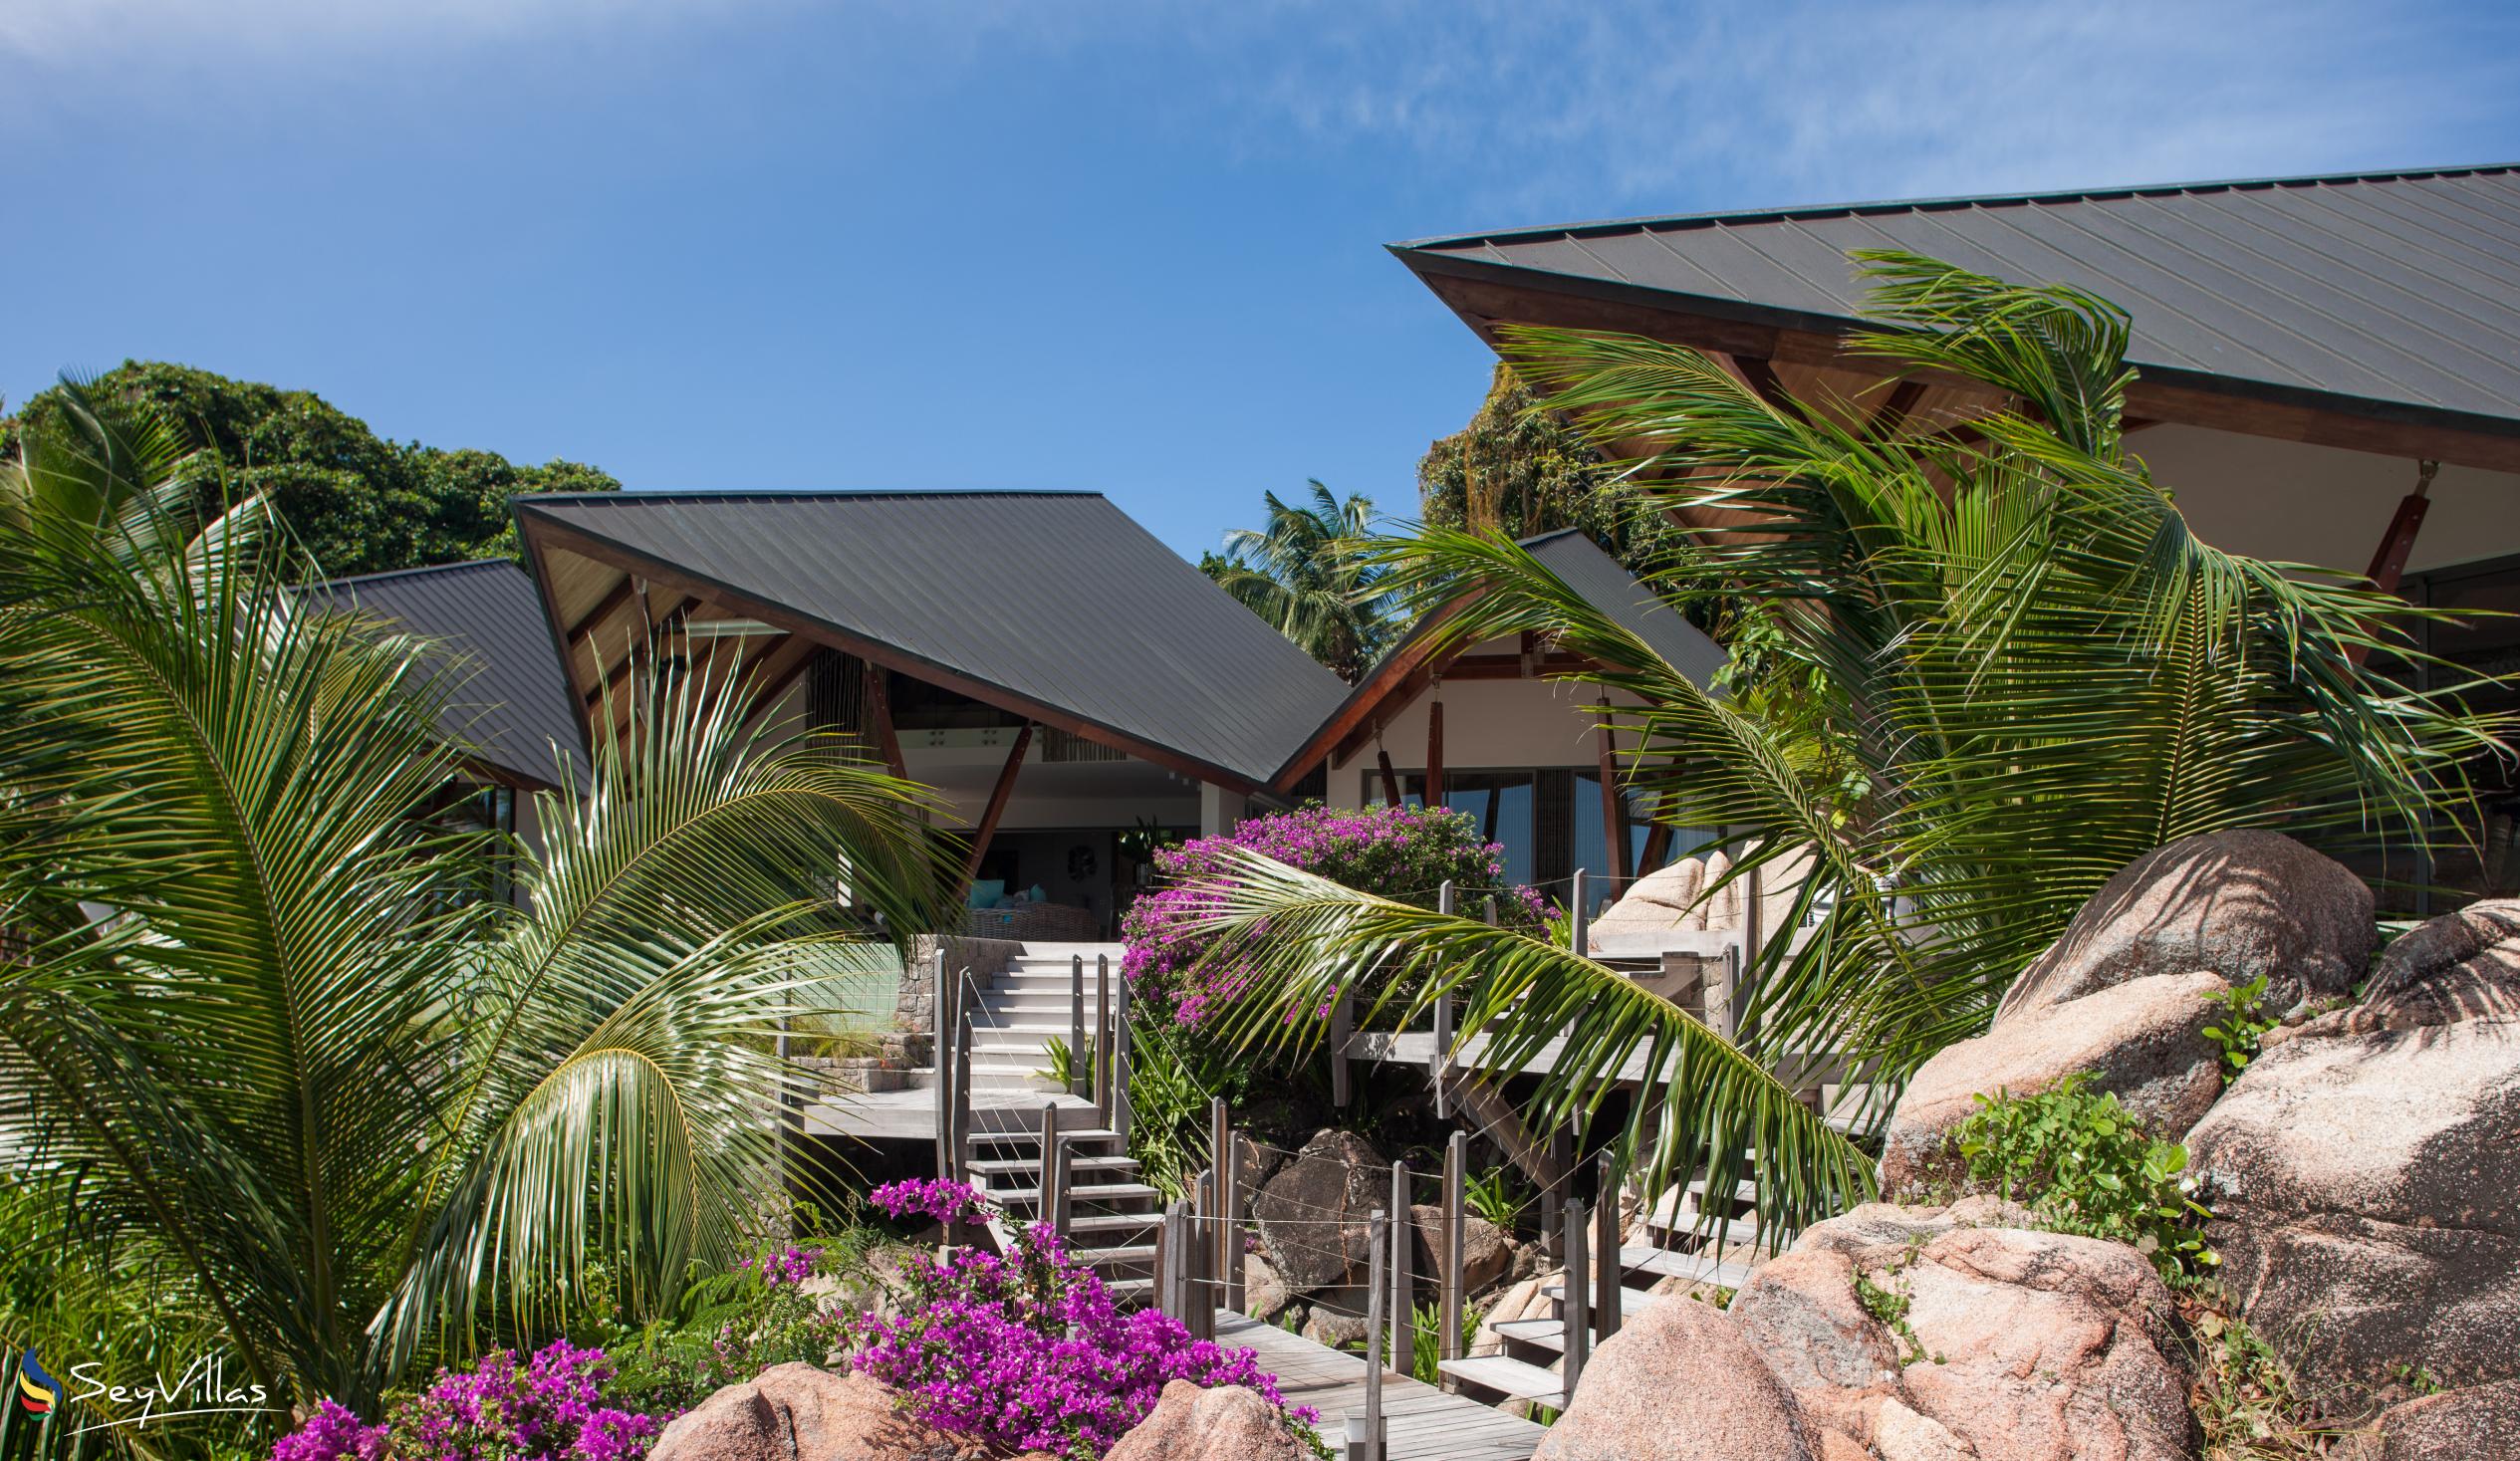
(1127, 246)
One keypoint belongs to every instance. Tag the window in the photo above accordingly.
(1548, 820)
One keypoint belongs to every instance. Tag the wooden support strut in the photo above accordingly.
(1391, 778)
(998, 794)
(880, 719)
(2388, 561)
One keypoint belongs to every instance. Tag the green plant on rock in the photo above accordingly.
(1496, 1195)
(1889, 1305)
(2241, 1023)
(2083, 1164)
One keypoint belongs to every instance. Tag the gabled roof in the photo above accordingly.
(509, 699)
(1580, 563)
(1052, 604)
(2393, 297)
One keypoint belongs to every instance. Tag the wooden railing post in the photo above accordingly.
(961, 1132)
(1232, 1227)
(1444, 1026)
(1047, 1209)
(1578, 1285)
(1077, 1056)
(1063, 1171)
(1120, 1056)
(1224, 1237)
(940, 1021)
(1579, 917)
(1365, 1431)
(1456, 1163)
(1201, 1287)
(1553, 1204)
(1343, 1028)
(1102, 1039)
(1403, 1290)
(1606, 1270)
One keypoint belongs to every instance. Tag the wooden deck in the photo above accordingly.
(1422, 1422)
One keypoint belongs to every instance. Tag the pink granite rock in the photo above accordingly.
(1677, 1383)
(1228, 1423)
(796, 1413)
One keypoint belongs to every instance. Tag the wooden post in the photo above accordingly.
(1198, 1287)
(1078, 1077)
(1578, 1285)
(1551, 1206)
(940, 1022)
(1606, 1265)
(1047, 1206)
(1391, 779)
(880, 713)
(1377, 1232)
(1343, 1026)
(1224, 1237)
(962, 1088)
(1457, 1174)
(1434, 747)
(1102, 1038)
(1614, 835)
(1404, 1286)
(1119, 1054)
(1063, 1171)
(1443, 1062)
(1578, 916)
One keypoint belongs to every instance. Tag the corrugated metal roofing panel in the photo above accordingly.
(1058, 599)
(510, 699)
(2398, 289)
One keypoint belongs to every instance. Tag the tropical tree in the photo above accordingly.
(257, 1030)
(1308, 571)
(2016, 669)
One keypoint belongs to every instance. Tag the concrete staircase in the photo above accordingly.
(1018, 1013)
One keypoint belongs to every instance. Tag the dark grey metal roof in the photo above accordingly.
(1056, 598)
(2400, 289)
(510, 699)
(1610, 588)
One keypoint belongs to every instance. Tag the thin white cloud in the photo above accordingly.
(65, 33)
(1617, 105)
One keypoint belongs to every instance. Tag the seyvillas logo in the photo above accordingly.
(37, 1391)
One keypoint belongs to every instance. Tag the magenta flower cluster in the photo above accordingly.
(1404, 854)
(788, 1266)
(332, 1433)
(937, 1198)
(548, 1409)
(1029, 1352)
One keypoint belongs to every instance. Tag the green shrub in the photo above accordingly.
(2239, 1027)
(2080, 1161)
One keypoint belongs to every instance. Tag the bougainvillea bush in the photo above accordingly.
(550, 1408)
(1028, 1350)
(1405, 854)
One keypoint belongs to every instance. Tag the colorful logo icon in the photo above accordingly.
(37, 1391)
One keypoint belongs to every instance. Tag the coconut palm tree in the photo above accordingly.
(256, 1023)
(2026, 671)
(1310, 573)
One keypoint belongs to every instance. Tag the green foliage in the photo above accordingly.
(2082, 1165)
(1889, 1305)
(357, 503)
(1063, 1068)
(1425, 1328)
(1307, 572)
(2242, 1024)
(1496, 1195)
(1518, 470)
(366, 1117)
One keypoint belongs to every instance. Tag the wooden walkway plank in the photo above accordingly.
(1423, 1423)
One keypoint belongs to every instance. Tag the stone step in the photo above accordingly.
(1513, 1378)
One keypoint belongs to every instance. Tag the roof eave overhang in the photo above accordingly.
(1487, 295)
(542, 533)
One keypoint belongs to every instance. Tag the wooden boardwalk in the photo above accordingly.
(1423, 1423)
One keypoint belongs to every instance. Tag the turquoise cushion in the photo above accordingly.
(986, 894)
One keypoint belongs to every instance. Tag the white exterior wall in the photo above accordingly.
(2292, 503)
(1488, 724)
